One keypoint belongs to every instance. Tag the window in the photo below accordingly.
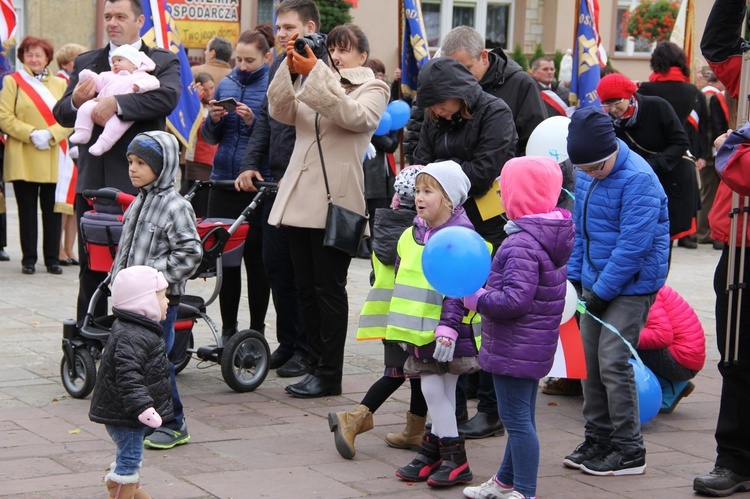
(265, 11)
(622, 43)
(463, 15)
(431, 17)
(496, 33)
(492, 18)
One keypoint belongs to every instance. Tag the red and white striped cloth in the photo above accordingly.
(7, 20)
(569, 359)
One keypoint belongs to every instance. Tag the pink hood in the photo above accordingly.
(134, 290)
(530, 185)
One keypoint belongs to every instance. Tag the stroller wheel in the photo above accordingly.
(81, 382)
(245, 361)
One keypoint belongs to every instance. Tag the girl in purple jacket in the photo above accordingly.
(521, 307)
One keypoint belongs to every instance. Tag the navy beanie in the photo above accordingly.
(149, 150)
(591, 137)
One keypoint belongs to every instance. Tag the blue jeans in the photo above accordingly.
(129, 443)
(516, 404)
(168, 327)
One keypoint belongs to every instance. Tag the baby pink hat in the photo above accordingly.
(530, 185)
(134, 290)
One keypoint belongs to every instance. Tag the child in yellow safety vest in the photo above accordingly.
(346, 425)
(436, 330)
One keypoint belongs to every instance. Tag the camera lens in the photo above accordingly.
(299, 46)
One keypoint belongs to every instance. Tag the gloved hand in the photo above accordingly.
(150, 417)
(290, 55)
(444, 348)
(73, 151)
(41, 139)
(370, 152)
(594, 304)
(304, 63)
(472, 301)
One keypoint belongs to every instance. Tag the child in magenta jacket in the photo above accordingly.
(129, 74)
(673, 345)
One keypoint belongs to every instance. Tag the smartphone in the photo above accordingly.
(229, 104)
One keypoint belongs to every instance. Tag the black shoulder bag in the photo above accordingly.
(344, 227)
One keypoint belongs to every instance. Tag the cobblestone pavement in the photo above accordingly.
(268, 444)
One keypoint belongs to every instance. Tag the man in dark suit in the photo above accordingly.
(123, 20)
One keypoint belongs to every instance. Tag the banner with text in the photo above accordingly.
(200, 20)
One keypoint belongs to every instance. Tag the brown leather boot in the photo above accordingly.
(411, 436)
(140, 493)
(347, 425)
(121, 490)
(122, 486)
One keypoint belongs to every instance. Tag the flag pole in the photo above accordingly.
(401, 155)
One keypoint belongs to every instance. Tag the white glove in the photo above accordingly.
(444, 348)
(370, 152)
(41, 139)
(150, 417)
(73, 151)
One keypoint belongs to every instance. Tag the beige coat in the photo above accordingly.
(216, 68)
(349, 115)
(18, 118)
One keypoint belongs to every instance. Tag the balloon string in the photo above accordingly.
(566, 191)
(582, 309)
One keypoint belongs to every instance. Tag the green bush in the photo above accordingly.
(333, 13)
(520, 57)
(558, 59)
(538, 53)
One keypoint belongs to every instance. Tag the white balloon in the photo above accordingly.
(571, 302)
(550, 139)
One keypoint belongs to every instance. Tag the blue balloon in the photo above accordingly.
(456, 261)
(649, 391)
(399, 111)
(385, 124)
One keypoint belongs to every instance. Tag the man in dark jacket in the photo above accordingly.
(498, 75)
(274, 141)
(123, 20)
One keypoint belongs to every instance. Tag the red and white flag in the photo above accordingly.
(569, 359)
(7, 20)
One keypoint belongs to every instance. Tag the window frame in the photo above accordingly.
(480, 17)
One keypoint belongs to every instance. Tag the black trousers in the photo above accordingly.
(290, 324)
(321, 278)
(230, 204)
(732, 435)
(29, 195)
(88, 280)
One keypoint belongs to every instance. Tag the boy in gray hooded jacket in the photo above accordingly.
(159, 230)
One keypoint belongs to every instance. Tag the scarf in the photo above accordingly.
(630, 116)
(674, 74)
(41, 76)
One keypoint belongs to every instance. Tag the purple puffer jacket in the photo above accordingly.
(523, 305)
(453, 308)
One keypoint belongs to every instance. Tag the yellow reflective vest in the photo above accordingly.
(374, 316)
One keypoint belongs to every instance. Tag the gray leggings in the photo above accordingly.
(662, 363)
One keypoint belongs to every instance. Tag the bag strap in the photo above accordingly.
(636, 144)
(320, 151)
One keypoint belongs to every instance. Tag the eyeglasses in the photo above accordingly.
(592, 170)
(612, 103)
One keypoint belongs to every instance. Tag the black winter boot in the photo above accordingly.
(426, 462)
(455, 468)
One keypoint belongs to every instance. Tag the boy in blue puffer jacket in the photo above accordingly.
(619, 263)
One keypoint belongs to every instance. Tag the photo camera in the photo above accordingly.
(316, 41)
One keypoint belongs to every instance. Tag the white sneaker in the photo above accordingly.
(488, 490)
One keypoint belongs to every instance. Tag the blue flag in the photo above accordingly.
(159, 30)
(586, 57)
(414, 49)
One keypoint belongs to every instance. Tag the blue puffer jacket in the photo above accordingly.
(622, 230)
(231, 133)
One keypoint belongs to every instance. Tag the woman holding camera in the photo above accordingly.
(230, 124)
(346, 102)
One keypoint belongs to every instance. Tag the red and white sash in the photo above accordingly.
(554, 100)
(66, 171)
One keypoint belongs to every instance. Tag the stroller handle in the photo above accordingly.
(122, 198)
(197, 185)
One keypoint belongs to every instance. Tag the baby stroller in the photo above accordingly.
(244, 359)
